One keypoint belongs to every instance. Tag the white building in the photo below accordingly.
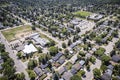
(95, 16)
(29, 49)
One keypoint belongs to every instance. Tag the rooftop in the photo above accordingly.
(67, 75)
(29, 49)
(38, 71)
(116, 58)
(57, 56)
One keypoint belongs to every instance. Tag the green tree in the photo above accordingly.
(19, 55)
(32, 64)
(76, 77)
(9, 71)
(4, 56)
(63, 45)
(40, 50)
(56, 76)
(82, 72)
(2, 47)
(116, 70)
(33, 28)
(92, 59)
(103, 68)
(78, 29)
(53, 50)
(98, 40)
(81, 53)
(32, 75)
(99, 52)
(20, 76)
(69, 42)
(105, 59)
(50, 65)
(88, 67)
(97, 73)
(3, 78)
(51, 43)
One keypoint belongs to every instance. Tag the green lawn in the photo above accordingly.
(10, 33)
(82, 14)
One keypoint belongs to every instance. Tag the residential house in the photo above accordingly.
(67, 75)
(116, 58)
(61, 61)
(73, 71)
(57, 56)
(82, 62)
(38, 71)
(73, 60)
(75, 44)
(62, 70)
(77, 66)
(108, 73)
(43, 66)
(88, 55)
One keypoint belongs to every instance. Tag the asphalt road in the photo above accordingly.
(18, 64)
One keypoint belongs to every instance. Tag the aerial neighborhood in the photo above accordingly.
(59, 40)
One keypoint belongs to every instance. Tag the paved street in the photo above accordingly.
(89, 75)
(18, 64)
(110, 46)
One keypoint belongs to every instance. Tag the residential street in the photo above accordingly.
(89, 74)
(18, 64)
(110, 46)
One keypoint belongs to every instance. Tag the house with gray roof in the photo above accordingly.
(61, 61)
(110, 67)
(57, 56)
(82, 62)
(67, 75)
(38, 71)
(108, 73)
(43, 66)
(116, 58)
(73, 71)
(88, 55)
(75, 44)
(77, 66)
(62, 70)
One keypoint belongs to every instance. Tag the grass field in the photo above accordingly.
(10, 34)
(82, 14)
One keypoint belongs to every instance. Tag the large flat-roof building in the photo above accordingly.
(38, 40)
(29, 49)
(95, 17)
